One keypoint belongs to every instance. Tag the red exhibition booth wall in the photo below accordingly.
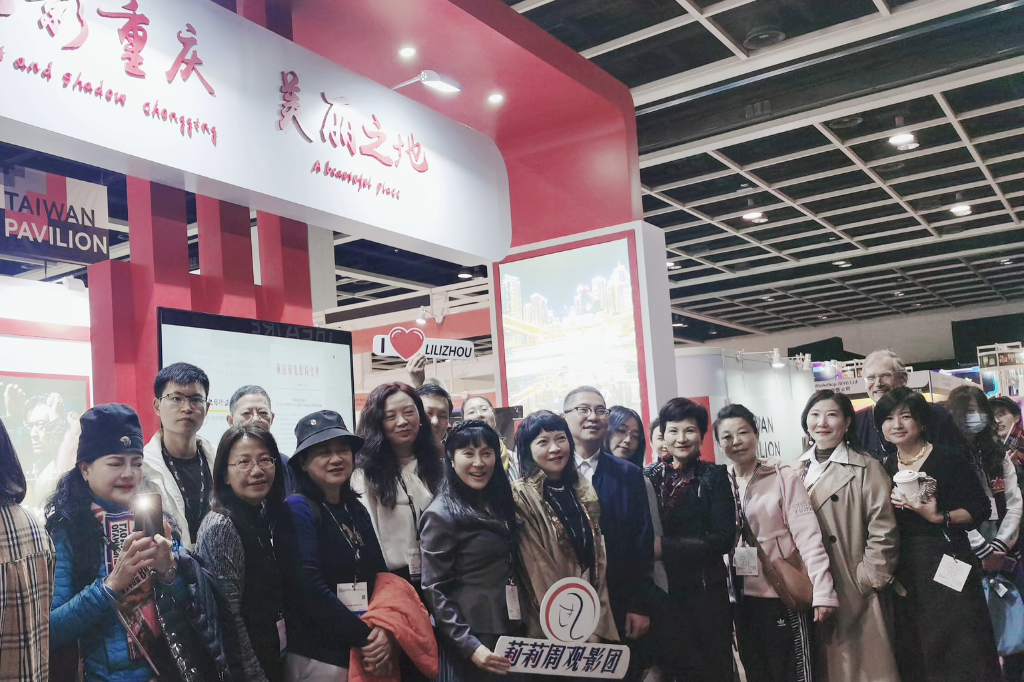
(566, 132)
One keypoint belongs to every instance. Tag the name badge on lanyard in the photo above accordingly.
(354, 597)
(415, 561)
(744, 560)
(282, 635)
(512, 602)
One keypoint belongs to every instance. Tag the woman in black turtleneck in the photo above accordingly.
(849, 491)
(235, 543)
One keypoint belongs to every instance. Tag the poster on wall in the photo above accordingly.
(303, 369)
(39, 411)
(568, 320)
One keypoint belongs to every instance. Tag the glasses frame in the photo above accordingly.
(179, 401)
(585, 411)
(254, 463)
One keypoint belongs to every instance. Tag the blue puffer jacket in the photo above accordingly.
(89, 617)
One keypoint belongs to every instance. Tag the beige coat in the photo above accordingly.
(546, 554)
(851, 500)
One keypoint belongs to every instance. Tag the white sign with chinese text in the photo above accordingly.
(191, 95)
(547, 657)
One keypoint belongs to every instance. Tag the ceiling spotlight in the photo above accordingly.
(672, 265)
(496, 98)
(841, 264)
(434, 80)
(961, 210)
(679, 324)
(422, 317)
(897, 293)
(767, 298)
(916, 305)
(761, 37)
(823, 317)
(712, 332)
(777, 358)
(407, 52)
(465, 273)
(904, 142)
(753, 215)
(846, 122)
(1006, 261)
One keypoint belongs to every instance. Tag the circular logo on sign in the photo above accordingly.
(126, 441)
(570, 611)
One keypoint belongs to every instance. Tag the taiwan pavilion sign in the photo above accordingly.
(189, 94)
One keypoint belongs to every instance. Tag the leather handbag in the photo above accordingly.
(787, 576)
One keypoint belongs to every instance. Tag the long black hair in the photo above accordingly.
(70, 509)
(459, 498)
(378, 462)
(986, 446)
(845, 406)
(619, 415)
(12, 477)
(223, 498)
(532, 426)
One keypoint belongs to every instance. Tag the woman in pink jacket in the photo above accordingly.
(774, 642)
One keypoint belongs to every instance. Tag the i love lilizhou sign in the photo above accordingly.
(405, 343)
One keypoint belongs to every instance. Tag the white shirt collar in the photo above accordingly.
(840, 455)
(592, 460)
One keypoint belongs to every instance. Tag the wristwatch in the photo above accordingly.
(171, 575)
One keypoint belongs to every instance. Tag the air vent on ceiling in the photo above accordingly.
(846, 122)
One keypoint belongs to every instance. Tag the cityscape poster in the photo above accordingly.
(567, 319)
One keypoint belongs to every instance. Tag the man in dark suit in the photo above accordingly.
(884, 372)
(625, 517)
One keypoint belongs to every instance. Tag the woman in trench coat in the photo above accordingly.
(849, 491)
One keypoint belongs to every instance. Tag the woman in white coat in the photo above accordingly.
(849, 492)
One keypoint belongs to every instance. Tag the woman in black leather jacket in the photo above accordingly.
(468, 544)
(693, 628)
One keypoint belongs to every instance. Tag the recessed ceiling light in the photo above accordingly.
(767, 298)
(753, 215)
(712, 332)
(1006, 261)
(916, 305)
(904, 141)
(496, 98)
(465, 273)
(407, 52)
(841, 263)
(823, 317)
(897, 293)
(763, 36)
(961, 210)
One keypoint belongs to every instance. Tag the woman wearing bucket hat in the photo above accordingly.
(138, 606)
(330, 558)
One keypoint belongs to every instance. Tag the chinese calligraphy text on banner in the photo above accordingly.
(189, 94)
(546, 657)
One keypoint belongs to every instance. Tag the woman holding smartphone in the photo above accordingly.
(111, 578)
(330, 558)
(236, 545)
(469, 533)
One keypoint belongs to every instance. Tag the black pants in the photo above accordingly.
(774, 642)
(1013, 668)
(693, 633)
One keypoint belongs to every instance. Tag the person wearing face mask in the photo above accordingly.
(849, 492)
(777, 517)
(883, 372)
(998, 533)
(943, 629)
(478, 407)
(560, 532)
(698, 515)
(469, 548)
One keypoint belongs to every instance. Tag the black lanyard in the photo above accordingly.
(348, 535)
(412, 508)
(172, 467)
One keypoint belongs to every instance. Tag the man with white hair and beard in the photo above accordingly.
(884, 372)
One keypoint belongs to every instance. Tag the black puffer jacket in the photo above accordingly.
(698, 529)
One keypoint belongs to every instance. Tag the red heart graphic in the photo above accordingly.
(407, 342)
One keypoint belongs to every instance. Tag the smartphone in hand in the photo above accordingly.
(149, 513)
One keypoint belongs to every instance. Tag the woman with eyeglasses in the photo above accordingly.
(236, 545)
(330, 559)
(560, 532)
(469, 550)
(943, 629)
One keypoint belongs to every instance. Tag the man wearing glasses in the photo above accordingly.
(176, 461)
(884, 372)
(625, 518)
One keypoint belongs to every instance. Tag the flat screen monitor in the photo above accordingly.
(303, 369)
